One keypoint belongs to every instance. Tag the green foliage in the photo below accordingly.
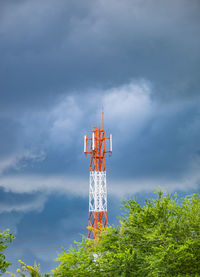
(5, 238)
(33, 271)
(160, 239)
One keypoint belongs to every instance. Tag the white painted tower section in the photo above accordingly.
(98, 192)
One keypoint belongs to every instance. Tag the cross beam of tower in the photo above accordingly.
(97, 189)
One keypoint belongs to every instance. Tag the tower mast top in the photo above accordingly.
(97, 147)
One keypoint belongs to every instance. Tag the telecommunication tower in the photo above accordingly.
(97, 187)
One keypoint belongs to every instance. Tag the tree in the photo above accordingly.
(162, 238)
(5, 238)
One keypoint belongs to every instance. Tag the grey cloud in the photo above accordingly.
(170, 143)
(154, 138)
(10, 221)
(10, 135)
(166, 147)
(18, 161)
(14, 153)
(52, 47)
(10, 202)
(62, 221)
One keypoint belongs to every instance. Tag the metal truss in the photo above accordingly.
(97, 192)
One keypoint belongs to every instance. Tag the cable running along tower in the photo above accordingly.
(97, 188)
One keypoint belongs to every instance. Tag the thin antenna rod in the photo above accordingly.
(102, 120)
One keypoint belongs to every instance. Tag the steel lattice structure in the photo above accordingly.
(97, 188)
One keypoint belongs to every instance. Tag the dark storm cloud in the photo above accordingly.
(9, 133)
(50, 47)
(168, 145)
(60, 223)
(153, 139)
(10, 202)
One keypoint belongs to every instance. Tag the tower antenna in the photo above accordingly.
(97, 187)
(102, 119)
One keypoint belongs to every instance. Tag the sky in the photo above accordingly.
(61, 63)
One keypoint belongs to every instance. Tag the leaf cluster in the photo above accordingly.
(33, 271)
(5, 238)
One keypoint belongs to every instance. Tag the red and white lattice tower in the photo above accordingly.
(97, 189)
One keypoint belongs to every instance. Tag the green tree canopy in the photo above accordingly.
(5, 238)
(161, 238)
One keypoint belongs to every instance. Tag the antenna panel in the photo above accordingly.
(110, 143)
(85, 144)
(93, 145)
